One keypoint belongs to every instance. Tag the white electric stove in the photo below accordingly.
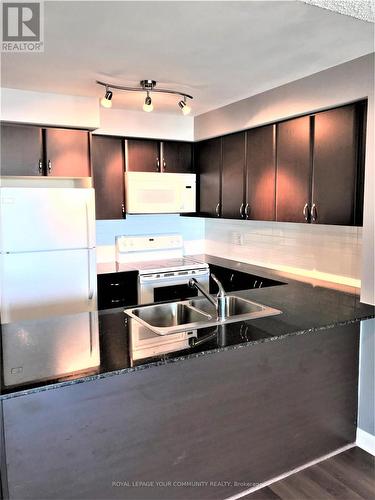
(164, 272)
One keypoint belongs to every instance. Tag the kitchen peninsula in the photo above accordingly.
(293, 377)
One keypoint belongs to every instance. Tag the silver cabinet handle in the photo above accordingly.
(306, 211)
(49, 166)
(314, 213)
(164, 165)
(157, 164)
(40, 167)
(123, 210)
(241, 210)
(217, 210)
(247, 210)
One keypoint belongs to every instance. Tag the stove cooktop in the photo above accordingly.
(179, 264)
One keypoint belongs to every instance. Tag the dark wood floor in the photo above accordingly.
(347, 476)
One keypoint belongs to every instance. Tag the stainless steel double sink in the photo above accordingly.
(195, 313)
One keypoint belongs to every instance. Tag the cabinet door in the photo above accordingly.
(233, 172)
(108, 174)
(117, 289)
(177, 157)
(293, 181)
(261, 173)
(335, 166)
(67, 152)
(21, 150)
(142, 155)
(209, 168)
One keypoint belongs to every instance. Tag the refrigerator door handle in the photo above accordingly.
(90, 326)
(90, 220)
(89, 279)
(94, 333)
(88, 232)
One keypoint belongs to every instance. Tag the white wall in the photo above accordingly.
(366, 414)
(330, 253)
(338, 85)
(25, 106)
(151, 125)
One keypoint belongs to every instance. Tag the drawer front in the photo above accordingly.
(117, 290)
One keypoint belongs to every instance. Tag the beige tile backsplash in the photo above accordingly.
(325, 252)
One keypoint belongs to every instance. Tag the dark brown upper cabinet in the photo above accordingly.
(293, 181)
(67, 152)
(142, 155)
(108, 174)
(261, 173)
(335, 160)
(177, 157)
(21, 150)
(208, 161)
(233, 172)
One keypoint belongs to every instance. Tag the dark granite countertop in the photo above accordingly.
(57, 351)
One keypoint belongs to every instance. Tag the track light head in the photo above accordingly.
(106, 101)
(148, 106)
(185, 108)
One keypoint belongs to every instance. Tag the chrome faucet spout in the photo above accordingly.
(221, 299)
(193, 283)
(220, 304)
(221, 292)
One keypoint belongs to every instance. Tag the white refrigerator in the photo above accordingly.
(45, 349)
(47, 251)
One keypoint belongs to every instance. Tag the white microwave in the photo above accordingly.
(160, 193)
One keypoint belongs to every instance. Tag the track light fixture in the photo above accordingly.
(148, 106)
(106, 101)
(185, 108)
(147, 86)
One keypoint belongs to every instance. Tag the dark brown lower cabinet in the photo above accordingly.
(293, 181)
(233, 171)
(67, 152)
(233, 417)
(21, 150)
(209, 158)
(335, 166)
(108, 175)
(261, 173)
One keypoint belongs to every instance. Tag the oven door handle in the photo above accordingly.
(165, 279)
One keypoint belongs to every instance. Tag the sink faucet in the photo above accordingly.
(220, 303)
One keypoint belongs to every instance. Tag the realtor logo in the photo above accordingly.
(22, 27)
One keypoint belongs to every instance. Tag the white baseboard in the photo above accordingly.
(366, 441)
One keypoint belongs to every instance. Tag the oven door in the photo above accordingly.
(170, 286)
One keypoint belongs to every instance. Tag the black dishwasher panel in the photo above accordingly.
(117, 289)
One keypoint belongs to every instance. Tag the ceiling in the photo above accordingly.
(219, 52)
